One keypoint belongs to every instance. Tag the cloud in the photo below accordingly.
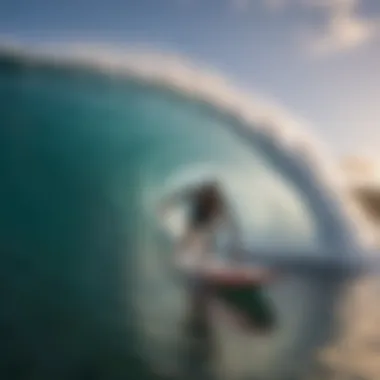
(342, 27)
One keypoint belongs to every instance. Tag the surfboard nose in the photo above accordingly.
(250, 303)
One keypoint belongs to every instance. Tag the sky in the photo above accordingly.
(320, 59)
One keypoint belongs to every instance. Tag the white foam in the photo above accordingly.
(178, 74)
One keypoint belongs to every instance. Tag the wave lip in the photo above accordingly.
(103, 225)
(189, 80)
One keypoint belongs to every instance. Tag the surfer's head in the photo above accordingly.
(209, 197)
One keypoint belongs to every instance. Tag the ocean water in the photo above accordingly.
(87, 290)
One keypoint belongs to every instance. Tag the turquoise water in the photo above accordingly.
(85, 280)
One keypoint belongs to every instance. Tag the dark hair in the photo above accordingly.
(209, 198)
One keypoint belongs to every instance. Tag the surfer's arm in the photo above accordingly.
(234, 233)
(174, 198)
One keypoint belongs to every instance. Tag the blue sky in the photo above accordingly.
(318, 58)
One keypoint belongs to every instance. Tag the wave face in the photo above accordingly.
(86, 286)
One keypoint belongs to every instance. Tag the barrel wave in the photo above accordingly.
(87, 288)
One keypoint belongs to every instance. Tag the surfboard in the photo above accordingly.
(239, 287)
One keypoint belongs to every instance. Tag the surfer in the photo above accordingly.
(210, 278)
(207, 213)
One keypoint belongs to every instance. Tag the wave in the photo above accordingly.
(176, 74)
(92, 139)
